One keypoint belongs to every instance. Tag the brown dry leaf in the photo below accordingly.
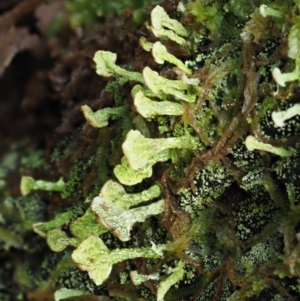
(14, 39)
(47, 13)
(8, 4)
(17, 13)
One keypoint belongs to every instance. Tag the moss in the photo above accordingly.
(8, 290)
(18, 215)
(210, 291)
(288, 173)
(73, 278)
(87, 12)
(262, 253)
(253, 215)
(209, 184)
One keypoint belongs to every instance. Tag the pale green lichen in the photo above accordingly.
(58, 240)
(114, 193)
(86, 225)
(106, 66)
(252, 144)
(148, 93)
(138, 279)
(268, 11)
(65, 293)
(161, 54)
(120, 221)
(149, 108)
(28, 184)
(93, 256)
(163, 26)
(293, 52)
(176, 88)
(112, 208)
(139, 150)
(175, 276)
(279, 118)
(282, 78)
(145, 44)
(42, 228)
(128, 176)
(101, 117)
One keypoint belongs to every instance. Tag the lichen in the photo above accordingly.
(209, 203)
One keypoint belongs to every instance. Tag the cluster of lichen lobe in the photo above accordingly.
(213, 141)
(239, 200)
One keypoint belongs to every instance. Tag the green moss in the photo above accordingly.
(17, 217)
(209, 292)
(87, 12)
(253, 215)
(73, 278)
(210, 183)
(207, 13)
(265, 252)
(288, 173)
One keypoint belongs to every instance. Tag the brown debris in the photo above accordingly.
(46, 13)
(13, 38)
